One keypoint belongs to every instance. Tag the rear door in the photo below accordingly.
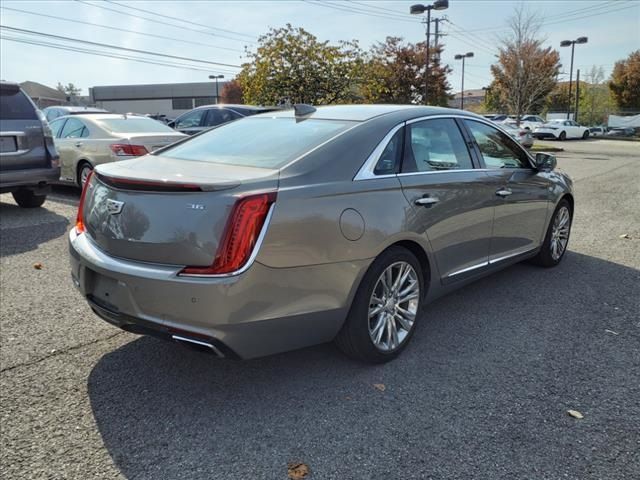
(451, 201)
(21, 135)
(520, 193)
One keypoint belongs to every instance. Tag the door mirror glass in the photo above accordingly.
(545, 162)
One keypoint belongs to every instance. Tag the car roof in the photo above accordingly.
(362, 113)
(106, 115)
(236, 105)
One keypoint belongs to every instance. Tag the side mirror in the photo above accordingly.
(171, 124)
(545, 162)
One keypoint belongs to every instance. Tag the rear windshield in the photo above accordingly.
(134, 125)
(263, 142)
(16, 106)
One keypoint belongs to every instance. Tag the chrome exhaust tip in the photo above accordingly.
(199, 343)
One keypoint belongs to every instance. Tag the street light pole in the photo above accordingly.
(462, 57)
(566, 43)
(418, 9)
(216, 77)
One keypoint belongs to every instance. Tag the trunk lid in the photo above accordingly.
(180, 222)
(153, 141)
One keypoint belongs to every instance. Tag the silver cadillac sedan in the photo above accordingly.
(293, 228)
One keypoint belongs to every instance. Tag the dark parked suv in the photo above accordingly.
(28, 158)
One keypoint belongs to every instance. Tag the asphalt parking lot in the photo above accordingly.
(481, 392)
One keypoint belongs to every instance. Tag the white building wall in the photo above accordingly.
(157, 106)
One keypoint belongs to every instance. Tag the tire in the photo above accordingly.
(548, 257)
(371, 339)
(28, 199)
(585, 135)
(84, 169)
(563, 136)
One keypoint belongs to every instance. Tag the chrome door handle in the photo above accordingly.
(78, 144)
(503, 192)
(427, 201)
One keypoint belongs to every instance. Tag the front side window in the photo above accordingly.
(498, 150)
(263, 142)
(74, 128)
(191, 119)
(56, 126)
(434, 145)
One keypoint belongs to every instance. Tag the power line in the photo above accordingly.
(343, 8)
(121, 29)
(181, 20)
(101, 54)
(153, 20)
(106, 45)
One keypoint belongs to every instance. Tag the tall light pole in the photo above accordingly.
(572, 44)
(462, 57)
(216, 77)
(416, 10)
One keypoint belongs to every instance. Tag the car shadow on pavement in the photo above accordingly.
(483, 387)
(24, 229)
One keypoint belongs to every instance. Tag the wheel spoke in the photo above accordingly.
(404, 323)
(376, 311)
(394, 340)
(398, 281)
(378, 330)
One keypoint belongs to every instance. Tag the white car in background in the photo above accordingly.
(519, 134)
(561, 130)
(85, 141)
(531, 122)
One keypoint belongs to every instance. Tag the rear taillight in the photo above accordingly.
(126, 150)
(80, 216)
(240, 235)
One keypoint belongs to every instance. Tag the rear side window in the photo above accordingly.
(433, 145)
(218, 116)
(263, 142)
(15, 105)
(390, 155)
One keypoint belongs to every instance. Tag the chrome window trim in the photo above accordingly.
(366, 171)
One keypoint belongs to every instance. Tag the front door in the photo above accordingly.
(451, 200)
(520, 193)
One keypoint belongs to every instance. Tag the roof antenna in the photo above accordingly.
(302, 109)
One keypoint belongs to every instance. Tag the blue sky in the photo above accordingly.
(613, 28)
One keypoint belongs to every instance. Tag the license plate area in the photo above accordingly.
(108, 291)
(8, 144)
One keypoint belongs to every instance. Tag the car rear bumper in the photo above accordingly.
(542, 135)
(259, 312)
(35, 178)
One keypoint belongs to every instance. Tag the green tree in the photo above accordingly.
(625, 82)
(394, 72)
(70, 90)
(596, 101)
(526, 72)
(291, 65)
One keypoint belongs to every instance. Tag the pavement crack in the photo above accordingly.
(60, 352)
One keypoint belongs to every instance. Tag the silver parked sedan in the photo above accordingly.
(298, 227)
(91, 139)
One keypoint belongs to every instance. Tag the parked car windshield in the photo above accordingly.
(134, 125)
(263, 142)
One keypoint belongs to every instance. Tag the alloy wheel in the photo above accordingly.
(84, 175)
(393, 306)
(560, 233)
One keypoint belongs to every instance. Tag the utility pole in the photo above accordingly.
(575, 116)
